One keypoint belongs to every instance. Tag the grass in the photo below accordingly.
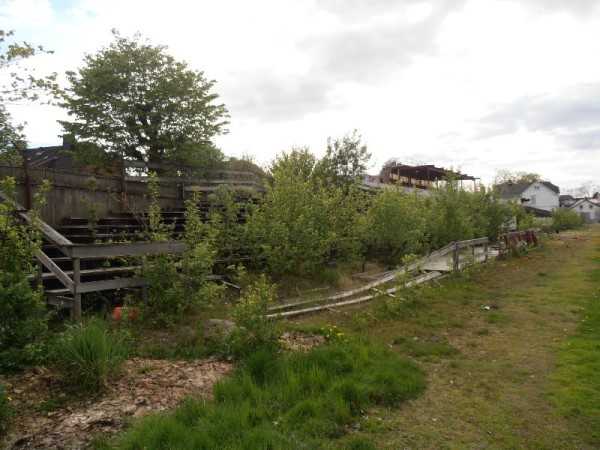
(302, 400)
(429, 349)
(514, 381)
(6, 409)
(520, 374)
(88, 355)
(576, 385)
(53, 403)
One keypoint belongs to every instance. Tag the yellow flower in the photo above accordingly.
(9, 399)
(340, 334)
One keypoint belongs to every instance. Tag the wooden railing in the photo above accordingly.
(75, 253)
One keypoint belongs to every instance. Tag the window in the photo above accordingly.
(580, 206)
(591, 206)
(537, 188)
(532, 200)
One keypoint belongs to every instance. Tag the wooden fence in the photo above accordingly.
(71, 195)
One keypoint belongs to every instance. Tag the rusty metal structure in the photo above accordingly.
(420, 176)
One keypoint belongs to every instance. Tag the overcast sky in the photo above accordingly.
(479, 85)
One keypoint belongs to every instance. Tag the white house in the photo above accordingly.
(537, 195)
(588, 208)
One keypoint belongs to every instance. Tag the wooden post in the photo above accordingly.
(144, 287)
(39, 279)
(486, 250)
(457, 256)
(77, 296)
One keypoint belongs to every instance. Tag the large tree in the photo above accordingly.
(504, 176)
(132, 99)
(345, 160)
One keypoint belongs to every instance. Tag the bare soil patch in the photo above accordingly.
(146, 386)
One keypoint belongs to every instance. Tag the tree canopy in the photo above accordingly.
(22, 84)
(504, 176)
(345, 160)
(134, 100)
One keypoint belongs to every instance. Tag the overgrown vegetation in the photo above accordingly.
(566, 220)
(253, 329)
(23, 317)
(302, 400)
(88, 355)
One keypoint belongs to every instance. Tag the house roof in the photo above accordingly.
(581, 201)
(511, 190)
(55, 157)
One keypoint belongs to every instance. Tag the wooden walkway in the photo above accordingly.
(453, 256)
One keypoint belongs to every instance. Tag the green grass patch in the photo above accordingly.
(428, 349)
(300, 400)
(88, 355)
(495, 318)
(53, 403)
(576, 385)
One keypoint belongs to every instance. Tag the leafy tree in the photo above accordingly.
(11, 138)
(23, 85)
(490, 216)
(451, 213)
(132, 99)
(395, 224)
(504, 176)
(345, 160)
(299, 162)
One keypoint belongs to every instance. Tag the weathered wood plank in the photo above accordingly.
(56, 271)
(125, 249)
(61, 301)
(108, 285)
(418, 280)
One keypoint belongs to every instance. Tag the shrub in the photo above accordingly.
(253, 328)
(176, 285)
(23, 320)
(566, 220)
(88, 355)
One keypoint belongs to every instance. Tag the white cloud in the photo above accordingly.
(416, 78)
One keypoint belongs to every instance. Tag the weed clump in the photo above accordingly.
(6, 409)
(88, 355)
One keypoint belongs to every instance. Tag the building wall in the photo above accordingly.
(589, 210)
(541, 197)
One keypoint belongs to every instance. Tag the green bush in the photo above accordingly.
(88, 355)
(23, 320)
(253, 328)
(566, 220)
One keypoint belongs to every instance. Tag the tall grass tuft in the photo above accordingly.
(88, 355)
(298, 400)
